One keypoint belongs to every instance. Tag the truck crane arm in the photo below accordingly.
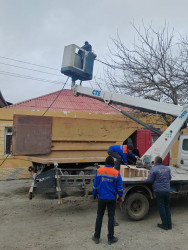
(129, 101)
(164, 143)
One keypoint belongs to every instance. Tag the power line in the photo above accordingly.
(35, 78)
(43, 113)
(8, 58)
(29, 69)
(28, 77)
(107, 64)
(4, 160)
(56, 97)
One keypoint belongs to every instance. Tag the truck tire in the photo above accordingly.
(137, 206)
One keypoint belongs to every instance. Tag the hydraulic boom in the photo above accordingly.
(164, 143)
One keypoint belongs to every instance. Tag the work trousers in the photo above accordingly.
(163, 204)
(118, 158)
(111, 206)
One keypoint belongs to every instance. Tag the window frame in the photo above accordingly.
(5, 139)
(185, 145)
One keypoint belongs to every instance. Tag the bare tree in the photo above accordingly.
(156, 67)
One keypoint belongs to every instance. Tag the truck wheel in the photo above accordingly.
(137, 206)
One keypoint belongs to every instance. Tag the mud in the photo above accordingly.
(43, 224)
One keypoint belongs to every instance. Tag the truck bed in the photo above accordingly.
(45, 140)
(178, 175)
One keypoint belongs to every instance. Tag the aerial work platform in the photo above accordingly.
(78, 63)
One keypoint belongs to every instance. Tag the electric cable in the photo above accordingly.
(8, 58)
(28, 69)
(56, 97)
(38, 65)
(107, 64)
(28, 77)
(4, 160)
(31, 77)
(43, 113)
(35, 78)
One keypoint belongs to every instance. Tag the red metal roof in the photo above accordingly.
(66, 101)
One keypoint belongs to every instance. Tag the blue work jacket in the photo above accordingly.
(121, 150)
(108, 183)
(160, 177)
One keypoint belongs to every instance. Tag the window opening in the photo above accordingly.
(8, 140)
(185, 144)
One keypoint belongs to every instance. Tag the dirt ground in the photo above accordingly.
(43, 224)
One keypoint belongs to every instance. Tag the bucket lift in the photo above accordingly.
(77, 63)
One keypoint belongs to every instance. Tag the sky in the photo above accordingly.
(36, 31)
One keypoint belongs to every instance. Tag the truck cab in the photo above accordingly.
(183, 152)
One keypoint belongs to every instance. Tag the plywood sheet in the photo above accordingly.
(31, 135)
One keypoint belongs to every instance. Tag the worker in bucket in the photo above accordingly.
(120, 152)
(107, 184)
(86, 47)
(160, 177)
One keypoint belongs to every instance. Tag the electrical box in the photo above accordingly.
(77, 63)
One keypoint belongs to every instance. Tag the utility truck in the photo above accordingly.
(137, 194)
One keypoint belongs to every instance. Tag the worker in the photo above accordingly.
(120, 152)
(107, 184)
(86, 47)
(160, 176)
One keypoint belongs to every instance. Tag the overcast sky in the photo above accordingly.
(36, 31)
